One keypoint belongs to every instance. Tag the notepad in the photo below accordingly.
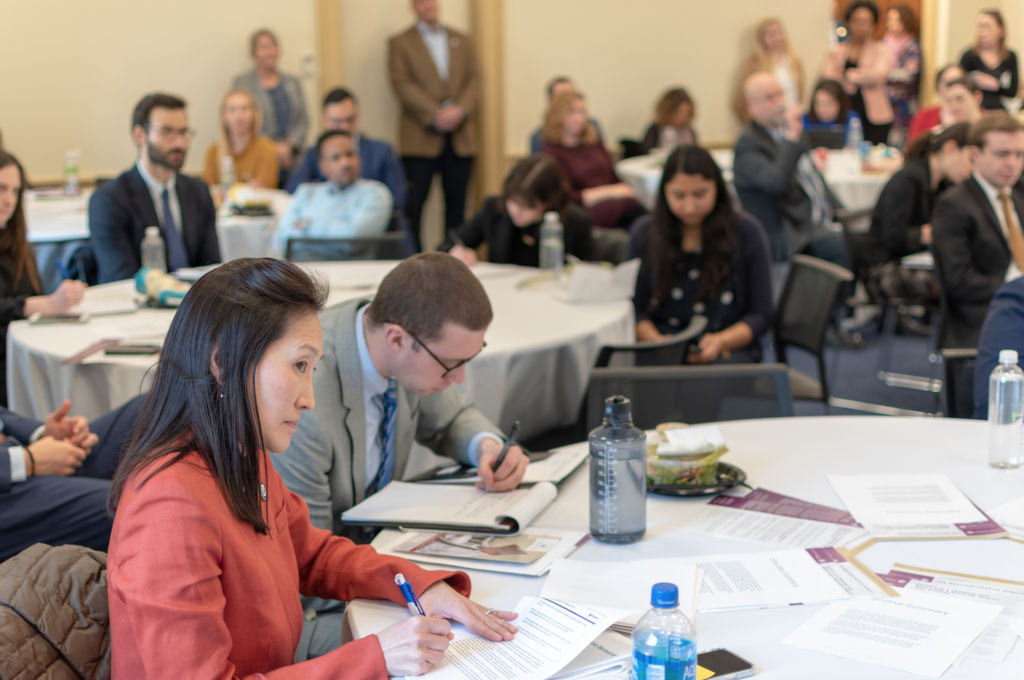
(404, 505)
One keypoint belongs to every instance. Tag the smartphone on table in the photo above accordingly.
(725, 665)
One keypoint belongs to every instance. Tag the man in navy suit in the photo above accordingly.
(153, 193)
(1003, 329)
(341, 112)
(54, 477)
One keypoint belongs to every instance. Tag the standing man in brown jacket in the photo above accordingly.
(435, 75)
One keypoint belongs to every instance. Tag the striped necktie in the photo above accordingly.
(387, 437)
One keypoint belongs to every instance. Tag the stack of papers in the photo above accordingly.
(597, 283)
(1011, 517)
(918, 632)
(768, 517)
(106, 306)
(552, 636)
(998, 639)
(913, 506)
(530, 553)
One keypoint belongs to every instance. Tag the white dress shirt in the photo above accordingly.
(156, 190)
(1013, 271)
(19, 469)
(436, 40)
(374, 386)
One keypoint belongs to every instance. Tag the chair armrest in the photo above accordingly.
(697, 325)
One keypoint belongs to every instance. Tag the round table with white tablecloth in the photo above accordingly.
(534, 369)
(857, 191)
(791, 456)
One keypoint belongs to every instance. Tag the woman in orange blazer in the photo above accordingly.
(862, 64)
(210, 551)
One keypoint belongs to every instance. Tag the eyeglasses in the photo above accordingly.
(447, 369)
(170, 134)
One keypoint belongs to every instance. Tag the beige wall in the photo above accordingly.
(72, 76)
(623, 55)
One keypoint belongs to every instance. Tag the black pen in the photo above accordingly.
(454, 236)
(508, 444)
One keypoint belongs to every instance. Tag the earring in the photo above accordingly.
(221, 395)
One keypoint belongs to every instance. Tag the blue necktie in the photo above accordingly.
(176, 255)
(387, 436)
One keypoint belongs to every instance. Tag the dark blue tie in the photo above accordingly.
(387, 437)
(176, 255)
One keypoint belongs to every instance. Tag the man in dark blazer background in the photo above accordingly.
(777, 181)
(435, 75)
(976, 228)
(55, 477)
(1003, 329)
(153, 193)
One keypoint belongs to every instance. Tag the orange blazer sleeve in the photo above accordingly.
(194, 593)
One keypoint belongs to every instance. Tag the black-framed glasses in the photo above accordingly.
(447, 369)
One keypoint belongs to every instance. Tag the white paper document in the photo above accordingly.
(1018, 626)
(997, 641)
(105, 306)
(452, 508)
(611, 652)
(1011, 517)
(912, 506)
(794, 532)
(918, 632)
(596, 283)
(552, 633)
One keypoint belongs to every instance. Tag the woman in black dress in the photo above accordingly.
(19, 278)
(989, 63)
(510, 224)
(698, 256)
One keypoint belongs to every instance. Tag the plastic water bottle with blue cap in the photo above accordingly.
(1006, 412)
(664, 640)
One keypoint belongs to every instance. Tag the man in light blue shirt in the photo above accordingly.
(345, 206)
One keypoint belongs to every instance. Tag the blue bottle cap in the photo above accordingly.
(664, 595)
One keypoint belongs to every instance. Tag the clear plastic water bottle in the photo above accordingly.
(664, 640)
(618, 476)
(153, 250)
(1005, 411)
(855, 135)
(552, 244)
(227, 173)
(71, 185)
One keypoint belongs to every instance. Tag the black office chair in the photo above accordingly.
(631, 147)
(692, 394)
(958, 372)
(393, 245)
(608, 245)
(668, 352)
(803, 316)
(81, 266)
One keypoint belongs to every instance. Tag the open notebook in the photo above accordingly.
(451, 508)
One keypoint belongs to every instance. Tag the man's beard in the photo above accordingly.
(161, 158)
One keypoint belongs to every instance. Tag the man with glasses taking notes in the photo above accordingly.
(153, 193)
(382, 383)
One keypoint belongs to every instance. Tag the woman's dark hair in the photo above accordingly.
(14, 246)
(931, 143)
(907, 18)
(154, 100)
(538, 180)
(669, 103)
(861, 4)
(941, 72)
(833, 88)
(232, 314)
(665, 235)
(966, 82)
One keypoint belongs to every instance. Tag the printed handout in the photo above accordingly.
(918, 632)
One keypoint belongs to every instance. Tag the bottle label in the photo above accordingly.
(655, 672)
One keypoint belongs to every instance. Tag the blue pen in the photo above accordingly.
(63, 270)
(413, 602)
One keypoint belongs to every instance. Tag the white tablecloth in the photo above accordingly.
(535, 367)
(792, 456)
(643, 173)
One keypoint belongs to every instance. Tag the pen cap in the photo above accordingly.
(618, 411)
(664, 595)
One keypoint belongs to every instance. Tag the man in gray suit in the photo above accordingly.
(382, 384)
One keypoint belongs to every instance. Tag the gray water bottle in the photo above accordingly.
(618, 476)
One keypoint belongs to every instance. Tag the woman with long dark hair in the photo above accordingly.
(510, 224)
(830, 108)
(210, 551)
(19, 279)
(698, 256)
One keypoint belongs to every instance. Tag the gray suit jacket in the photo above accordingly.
(326, 462)
(297, 126)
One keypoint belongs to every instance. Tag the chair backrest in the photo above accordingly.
(608, 245)
(668, 352)
(631, 147)
(81, 265)
(958, 381)
(805, 307)
(393, 245)
(692, 394)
